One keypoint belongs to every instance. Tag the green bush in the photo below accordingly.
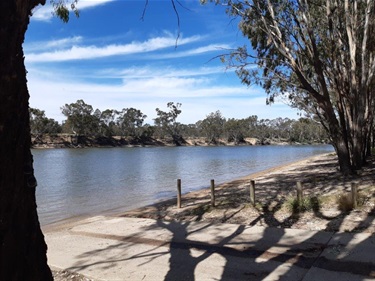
(306, 204)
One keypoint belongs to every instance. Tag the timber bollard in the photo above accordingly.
(354, 195)
(178, 193)
(213, 193)
(252, 192)
(299, 192)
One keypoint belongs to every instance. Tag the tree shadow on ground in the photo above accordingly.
(241, 259)
(203, 251)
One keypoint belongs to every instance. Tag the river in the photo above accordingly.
(90, 181)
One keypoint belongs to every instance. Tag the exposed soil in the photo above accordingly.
(72, 141)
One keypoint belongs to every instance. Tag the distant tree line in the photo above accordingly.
(83, 120)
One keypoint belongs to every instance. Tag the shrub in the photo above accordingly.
(345, 202)
(306, 204)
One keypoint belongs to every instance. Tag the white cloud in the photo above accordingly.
(85, 4)
(92, 52)
(53, 44)
(196, 51)
(149, 72)
(45, 13)
(199, 95)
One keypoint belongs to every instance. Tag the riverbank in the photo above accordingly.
(326, 202)
(71, 141)
(274, 189)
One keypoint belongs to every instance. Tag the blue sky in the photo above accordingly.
(112, 59)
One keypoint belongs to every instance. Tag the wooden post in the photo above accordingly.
(252, 192)
(354, 195)
(178, 193)
(213, 193)
(299, 192)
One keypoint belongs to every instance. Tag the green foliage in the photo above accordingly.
(130, 122)
(107, 125)
(80, 118)
(166, 121)
(212, 126)
(40, 124)
(148, 131)
(235, 130)
(306, 204)
(62, 9)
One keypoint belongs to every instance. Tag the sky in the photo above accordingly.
(113, 59)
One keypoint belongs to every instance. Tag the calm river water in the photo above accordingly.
(78, 182)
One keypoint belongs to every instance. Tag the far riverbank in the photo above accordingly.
(72, 141)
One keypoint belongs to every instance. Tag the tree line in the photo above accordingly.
(83, 120)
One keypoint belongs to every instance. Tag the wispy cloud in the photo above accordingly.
(85, 4)
(92, 52)
(45, 13)
(57, 44)
(196, 51)
(152, 71)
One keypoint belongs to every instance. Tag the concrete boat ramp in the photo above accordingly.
(120, 248)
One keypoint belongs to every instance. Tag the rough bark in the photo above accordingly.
(22, 246)
(343, 155)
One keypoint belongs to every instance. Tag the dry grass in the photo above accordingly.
(345, 202)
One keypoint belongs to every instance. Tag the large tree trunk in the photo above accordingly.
(359, 144)
(343, 155)
(22, 246)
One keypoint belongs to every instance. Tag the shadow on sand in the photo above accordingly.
(247, 251)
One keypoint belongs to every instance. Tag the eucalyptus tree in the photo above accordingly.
(189, 131)
(81, 118)
(107, 122)
(213, 126)
(40, 124)
(166, 121)
(320, 53)
(235, 130)
(307, 130)
(282, 128)
(263, 130)
(130, 122)
(250, 124)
